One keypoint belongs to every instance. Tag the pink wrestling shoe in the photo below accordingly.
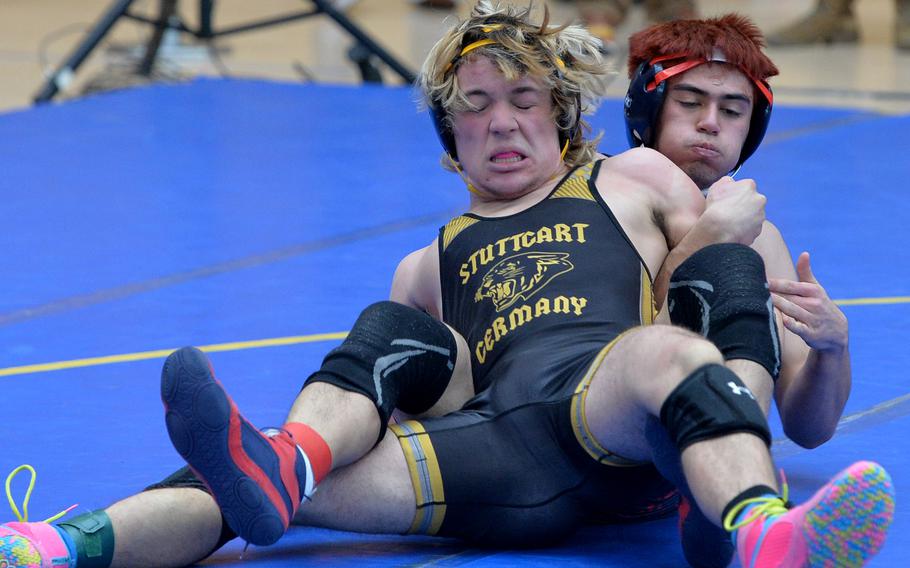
(843, 525)
(31, 545)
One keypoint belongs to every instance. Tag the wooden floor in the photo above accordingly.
(35, 35)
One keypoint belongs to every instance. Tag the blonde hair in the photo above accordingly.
(566, 58)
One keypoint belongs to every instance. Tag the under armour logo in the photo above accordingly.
(738, 390)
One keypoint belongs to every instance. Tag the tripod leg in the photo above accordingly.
(64, 72)
(205, 18)
(362, 38)
(168, 9)
(362, 57)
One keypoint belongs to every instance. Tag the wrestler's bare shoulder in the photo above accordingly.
(640, 164)
(416, 281)
(649, 175)
(640, 171)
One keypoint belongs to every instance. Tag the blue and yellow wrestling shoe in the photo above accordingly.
(257, 479)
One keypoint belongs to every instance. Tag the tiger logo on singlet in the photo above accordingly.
(521, 276)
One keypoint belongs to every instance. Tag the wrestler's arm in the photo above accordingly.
(676, 207)
(416, 284)
(734, 212)
(650, 193)
(655, 202)
(815, 376)
(416, 281)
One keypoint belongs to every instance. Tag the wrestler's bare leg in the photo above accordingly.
(632, 383)
(755, 376)
(372, 494)
(187, 519)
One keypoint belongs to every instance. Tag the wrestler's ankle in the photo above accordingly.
(89, 538)
(313, 446)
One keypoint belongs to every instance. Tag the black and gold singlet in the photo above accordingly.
(541, 290)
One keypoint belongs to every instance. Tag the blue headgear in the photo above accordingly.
(647, 90)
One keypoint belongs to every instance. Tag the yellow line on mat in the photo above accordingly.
(872, 301)
(107, 360)
(292, 340)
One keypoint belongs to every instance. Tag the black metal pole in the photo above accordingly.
(168, 9)
(367, 41)
(205, 18)
(64, 72)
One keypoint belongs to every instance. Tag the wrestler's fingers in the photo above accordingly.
(804, 269)
(810, 302)
(794, 288)
(795, 326)
(790, 309)
(784, 286)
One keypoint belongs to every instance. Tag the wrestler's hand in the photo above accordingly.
(734, 211)
(807, 310)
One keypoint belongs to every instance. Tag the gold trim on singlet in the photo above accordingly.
(455, 226)
(576, 186)
(648, 307)
(580, 421)
(426, 477)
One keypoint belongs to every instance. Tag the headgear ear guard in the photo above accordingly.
(647, 91)
(642, 106)
(761, 117)
(446, 136)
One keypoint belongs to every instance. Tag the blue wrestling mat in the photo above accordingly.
(259, 218)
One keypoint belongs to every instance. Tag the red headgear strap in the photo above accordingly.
(689, 64)
(697, 41)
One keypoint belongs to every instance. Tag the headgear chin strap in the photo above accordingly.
(648, 89)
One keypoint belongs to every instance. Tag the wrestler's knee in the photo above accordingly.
(668, 354)
(685, 351)
(460, 387)
(722, 292)
(637, 374)
(395, 356)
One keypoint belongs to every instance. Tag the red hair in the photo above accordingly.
(736, 36)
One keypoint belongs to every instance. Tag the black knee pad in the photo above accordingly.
(182, 478)
(709, 403)
(397, 356)
(722, 293)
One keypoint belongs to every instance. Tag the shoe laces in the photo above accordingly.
(22, 516)
(767, 507)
